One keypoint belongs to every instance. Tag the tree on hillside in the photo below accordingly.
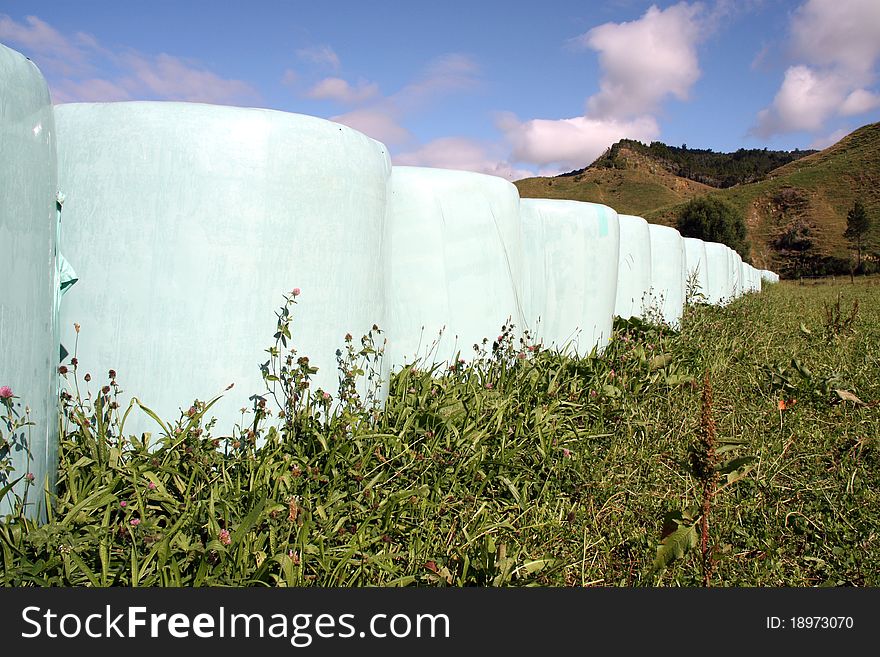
(713, 220)
(858, 223)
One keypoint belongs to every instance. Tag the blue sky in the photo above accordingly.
(510, 88)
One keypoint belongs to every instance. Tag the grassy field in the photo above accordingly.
(524, 468)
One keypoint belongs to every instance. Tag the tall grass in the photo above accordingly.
(523, 467)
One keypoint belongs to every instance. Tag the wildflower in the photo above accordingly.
(74, 362)
(521, 355)
(192, 411)
(62, 369)
(123, 504)
(296, 292)
(29, 476)
(488, 386)
(566, 453)
(348, 337)
(106, 390)
(5, 392)
(326, 396)
(135, 522)
(76, 327)
(152, 485)
(88, 377)
(612, 374)
(224, 537)
(784, 404)
(112, 374)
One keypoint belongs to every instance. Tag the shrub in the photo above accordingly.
(713, 220)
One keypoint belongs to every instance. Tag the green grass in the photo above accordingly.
(628, 191)
(524, 468)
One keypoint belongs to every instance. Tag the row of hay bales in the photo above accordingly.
(186, 224)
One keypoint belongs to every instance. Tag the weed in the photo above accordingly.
(839, 321)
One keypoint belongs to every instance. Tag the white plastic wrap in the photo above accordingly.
(769, 276)
(667, 272)
(697, 266)
(754, 278)
(736, 274)
(720, 279)
(634, 267)
(187, 224)
(570, 260)
(452, 259)
(28, 333)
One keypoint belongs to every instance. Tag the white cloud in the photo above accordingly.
(838, 45)
(642, 62)
(804, 102)
(341, 91)
(382, 118)
(321, 55)
(165, 76)
(71, 67)
(859, 102)
(464, 154)
(382, 124)
(88, 91)
(840, 33)
(829, 140)
(645, 61)
(571, 143)
(58, 53)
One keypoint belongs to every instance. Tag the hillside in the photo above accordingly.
(796, 213)
(796, 216)
(642, 187)
(701, 165)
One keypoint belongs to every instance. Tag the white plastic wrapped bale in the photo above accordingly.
(28, 332)
(189, 222)
(697, 266)
(736, 289)
(718, 268)
(570, 269)
(754, 279)
(452, 258)
(634, 267)
(768, 276)
(667, 272)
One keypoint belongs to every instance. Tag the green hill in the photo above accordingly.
(702, 165)
(638, 184)
(795, 213)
